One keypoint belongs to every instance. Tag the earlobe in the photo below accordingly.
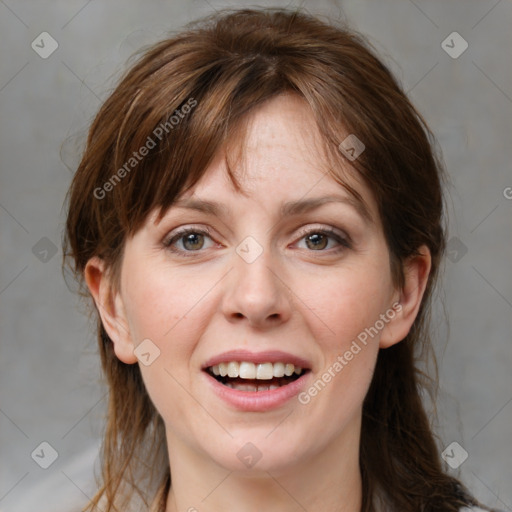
(416, 272)
(111, 309)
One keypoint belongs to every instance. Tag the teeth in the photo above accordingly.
(233, 369)
(223, 369)
(278, 369)
(251, 387)
(265, 371)
(261, 371)
(247, 370)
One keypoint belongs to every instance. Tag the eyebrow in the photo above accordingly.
(307, 205)
(287, 209)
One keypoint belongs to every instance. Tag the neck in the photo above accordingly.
(329, 480)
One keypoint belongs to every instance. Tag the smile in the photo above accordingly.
(256, 381)
(251, 377)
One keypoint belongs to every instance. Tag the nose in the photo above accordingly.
(256, 293)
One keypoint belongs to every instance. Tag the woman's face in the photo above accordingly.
(292, 271)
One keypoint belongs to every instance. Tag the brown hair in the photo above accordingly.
(223, 67)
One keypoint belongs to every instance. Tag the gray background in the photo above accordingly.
(49, 378)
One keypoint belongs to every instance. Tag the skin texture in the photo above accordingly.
(308, 301)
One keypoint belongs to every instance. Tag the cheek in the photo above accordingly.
(345, 313)
(168, 310)
(346, 305)
(351, 306)
(161, 302)
(171, 308)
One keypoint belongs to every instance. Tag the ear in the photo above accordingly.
(111, 309)
(408, 299)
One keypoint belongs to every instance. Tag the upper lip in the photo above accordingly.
(267, 356)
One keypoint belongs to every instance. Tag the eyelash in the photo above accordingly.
(344, 243)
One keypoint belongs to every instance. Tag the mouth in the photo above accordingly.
(256, 381)
(255, 377)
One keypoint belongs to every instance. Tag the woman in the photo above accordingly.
(258, 217)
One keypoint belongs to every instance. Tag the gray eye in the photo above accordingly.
(193, 241)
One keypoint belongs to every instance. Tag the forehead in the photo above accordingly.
(278, 142)
(280, 156)
(277, 157)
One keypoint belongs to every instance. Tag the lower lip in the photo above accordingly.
(257, 400)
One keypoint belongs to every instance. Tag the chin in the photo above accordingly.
(255, 454)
